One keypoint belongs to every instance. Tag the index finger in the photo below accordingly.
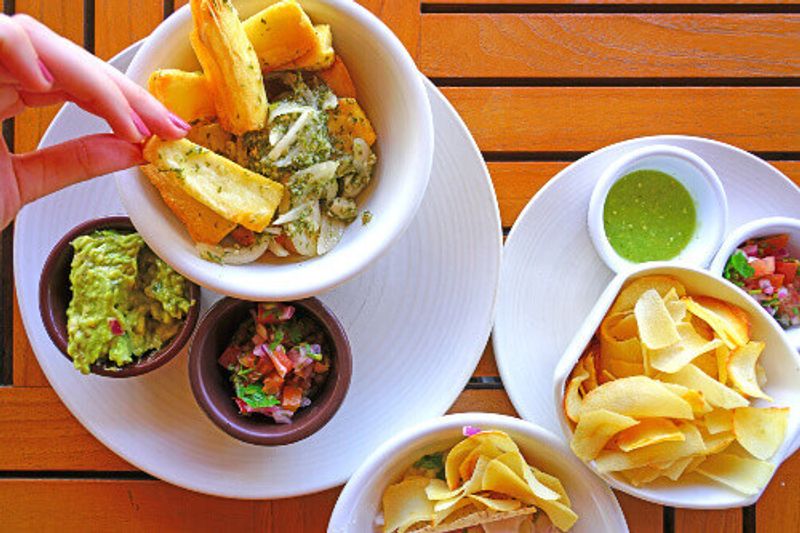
(77, 74)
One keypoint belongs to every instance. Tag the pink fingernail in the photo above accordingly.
(179, 122)
(140, 125)
(45, 71)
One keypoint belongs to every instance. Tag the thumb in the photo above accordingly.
(44, 171)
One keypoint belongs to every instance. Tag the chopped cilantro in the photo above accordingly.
(738, 268)
(432, 461)
(253, 396)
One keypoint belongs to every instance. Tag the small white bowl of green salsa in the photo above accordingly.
(657, 203)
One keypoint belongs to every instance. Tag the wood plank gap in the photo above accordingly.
(118, 475)
(88, 25)
(169, 7)
(668, 520)
(568, 157)
(789, 81)
(485, 383)
(6, 264)
(9, 7)
(749, 519)
(719, 9)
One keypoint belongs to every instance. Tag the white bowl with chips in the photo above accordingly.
(780, 360)
(390, 89)
(360, 502)
(763, 227)
(691, 171)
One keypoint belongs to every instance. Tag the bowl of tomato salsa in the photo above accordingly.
(270, 373)
(762, 258)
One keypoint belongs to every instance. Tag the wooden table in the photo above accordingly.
(539, 84)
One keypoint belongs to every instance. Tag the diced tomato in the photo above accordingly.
(771, 245)
(268, 313)
(247, 360)
(229, 357)
(788, 269)
(272, 384)
(763, 267)
(321, 368)
(264, 366)
(776, 280)
(283, 365)
(243, 236)
(292, 396)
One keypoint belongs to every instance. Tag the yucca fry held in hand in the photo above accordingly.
(693, 366)
(203, 224)
(230, 65)
(231, 191)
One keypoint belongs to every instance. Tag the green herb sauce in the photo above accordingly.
(649, 216)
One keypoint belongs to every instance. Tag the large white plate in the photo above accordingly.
(552, 276)
(418, 321)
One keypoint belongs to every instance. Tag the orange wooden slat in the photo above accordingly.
(586, 4)
(779, 506)
(66, 18)
(588, 118)
(487, 366)
(515, 183)
(48, 437)
(100, 505)
(609, 45)
(642, 516)
(691, 521)
(402, 17)
(120, 23)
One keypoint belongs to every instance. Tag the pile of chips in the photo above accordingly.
(665, 389)
(486, 479)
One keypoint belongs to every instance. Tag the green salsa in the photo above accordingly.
(125, 300)
(649, 216)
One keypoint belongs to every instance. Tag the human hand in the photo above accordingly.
(39, 68)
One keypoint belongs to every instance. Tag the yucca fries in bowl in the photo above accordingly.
(310, 149)
(679, 390)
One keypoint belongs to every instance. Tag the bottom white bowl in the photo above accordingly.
(360, 501)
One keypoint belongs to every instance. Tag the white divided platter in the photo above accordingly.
(552, 276)
(418, 320)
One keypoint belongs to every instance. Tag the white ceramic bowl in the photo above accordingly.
(391, 91)
(692, 172)
(360, 501)
(780, 360)
(763, 227)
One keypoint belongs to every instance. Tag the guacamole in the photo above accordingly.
(125, 300)
(648, 216)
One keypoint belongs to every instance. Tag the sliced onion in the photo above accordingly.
(330, 102)
(277, 249)
(330, 233)
(361, 153)
(233, 255)
(273, 230)
(282, 146)
(292, 214)
(287, 108)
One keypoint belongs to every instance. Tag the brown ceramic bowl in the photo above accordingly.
(214, 392)
(55, 294)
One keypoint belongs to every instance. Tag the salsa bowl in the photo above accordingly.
(763, 227)
(55, 294)
(780, 360)
(213, 390)
(392, 93)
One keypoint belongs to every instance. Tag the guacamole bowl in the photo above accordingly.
(214, 391)
(390, 90)
(55, 294)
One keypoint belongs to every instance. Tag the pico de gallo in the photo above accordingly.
(764, 268)
(278, 359)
